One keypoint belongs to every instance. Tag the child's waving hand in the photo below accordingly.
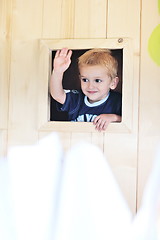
(62, 60)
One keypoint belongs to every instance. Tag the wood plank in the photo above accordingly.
(79, 137)
(74, 19)
(5, 45)
(24, 92)
(90, 19)
(126, 24)
(27, 19)
(58, 19)
(68, 19)
(124, 19)
(121, 152)
(149, 127)
(98, 139)
(65, 139)
(26, 30)
(3, 144)
(5, 20)
(61, 126)
(4, 81)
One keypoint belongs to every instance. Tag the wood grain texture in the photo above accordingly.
(3, 144)
(5, 48)
(90, 19)
(26, 30)
(123, 19)
(81, 24)
(58, 19)
(27, 19)
(149, 127)
(121, 153)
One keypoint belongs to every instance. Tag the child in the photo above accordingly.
(96, 102)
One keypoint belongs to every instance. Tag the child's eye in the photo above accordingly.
(85, 80)
(98, 80)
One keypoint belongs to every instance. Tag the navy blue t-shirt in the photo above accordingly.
(80, 110)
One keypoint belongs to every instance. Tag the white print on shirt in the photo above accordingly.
(86, 118)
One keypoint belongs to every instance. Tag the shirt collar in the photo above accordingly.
(95, 104)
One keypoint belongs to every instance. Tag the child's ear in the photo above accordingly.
(114, 83)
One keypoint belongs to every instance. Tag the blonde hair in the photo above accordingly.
(100, 56)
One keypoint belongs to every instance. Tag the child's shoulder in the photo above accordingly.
(75, 95)
(115, 100)
(115, 95)
(71, 91)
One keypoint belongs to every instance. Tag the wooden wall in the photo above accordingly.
(149, 99)
(24, 23)
(5, 55)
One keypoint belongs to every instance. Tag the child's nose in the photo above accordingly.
(90, 85)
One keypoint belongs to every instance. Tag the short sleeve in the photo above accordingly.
(72, 102)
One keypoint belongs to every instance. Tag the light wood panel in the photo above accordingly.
(91, 22)
(3, 144)
(27, 29)
(5, 48)
(5, 38)
(124, 19)
(27, 19)
(4, 81)
(65, 139)
(23, 92)
(74, 19)
(80, 137)
(90, 19)
(149, 127)
(58, 19)
(98, 140)
(121, 150)
(121, 153)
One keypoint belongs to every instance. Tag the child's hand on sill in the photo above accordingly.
(102, 121)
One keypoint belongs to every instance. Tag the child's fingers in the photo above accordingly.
(63, 51)
(69, 54)
(100, 125)
(57, 53)
(96, 120)
(105, 125)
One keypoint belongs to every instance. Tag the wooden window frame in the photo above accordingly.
(45, 68)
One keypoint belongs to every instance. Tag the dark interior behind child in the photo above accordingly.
(96, 102)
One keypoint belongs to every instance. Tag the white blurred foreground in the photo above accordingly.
(45, 195)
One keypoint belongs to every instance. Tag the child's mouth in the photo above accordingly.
(92, 92)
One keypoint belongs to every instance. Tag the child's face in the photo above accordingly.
(95, 82)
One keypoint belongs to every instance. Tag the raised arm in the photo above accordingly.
(61, 63)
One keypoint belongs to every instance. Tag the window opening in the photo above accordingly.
(71, 79)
